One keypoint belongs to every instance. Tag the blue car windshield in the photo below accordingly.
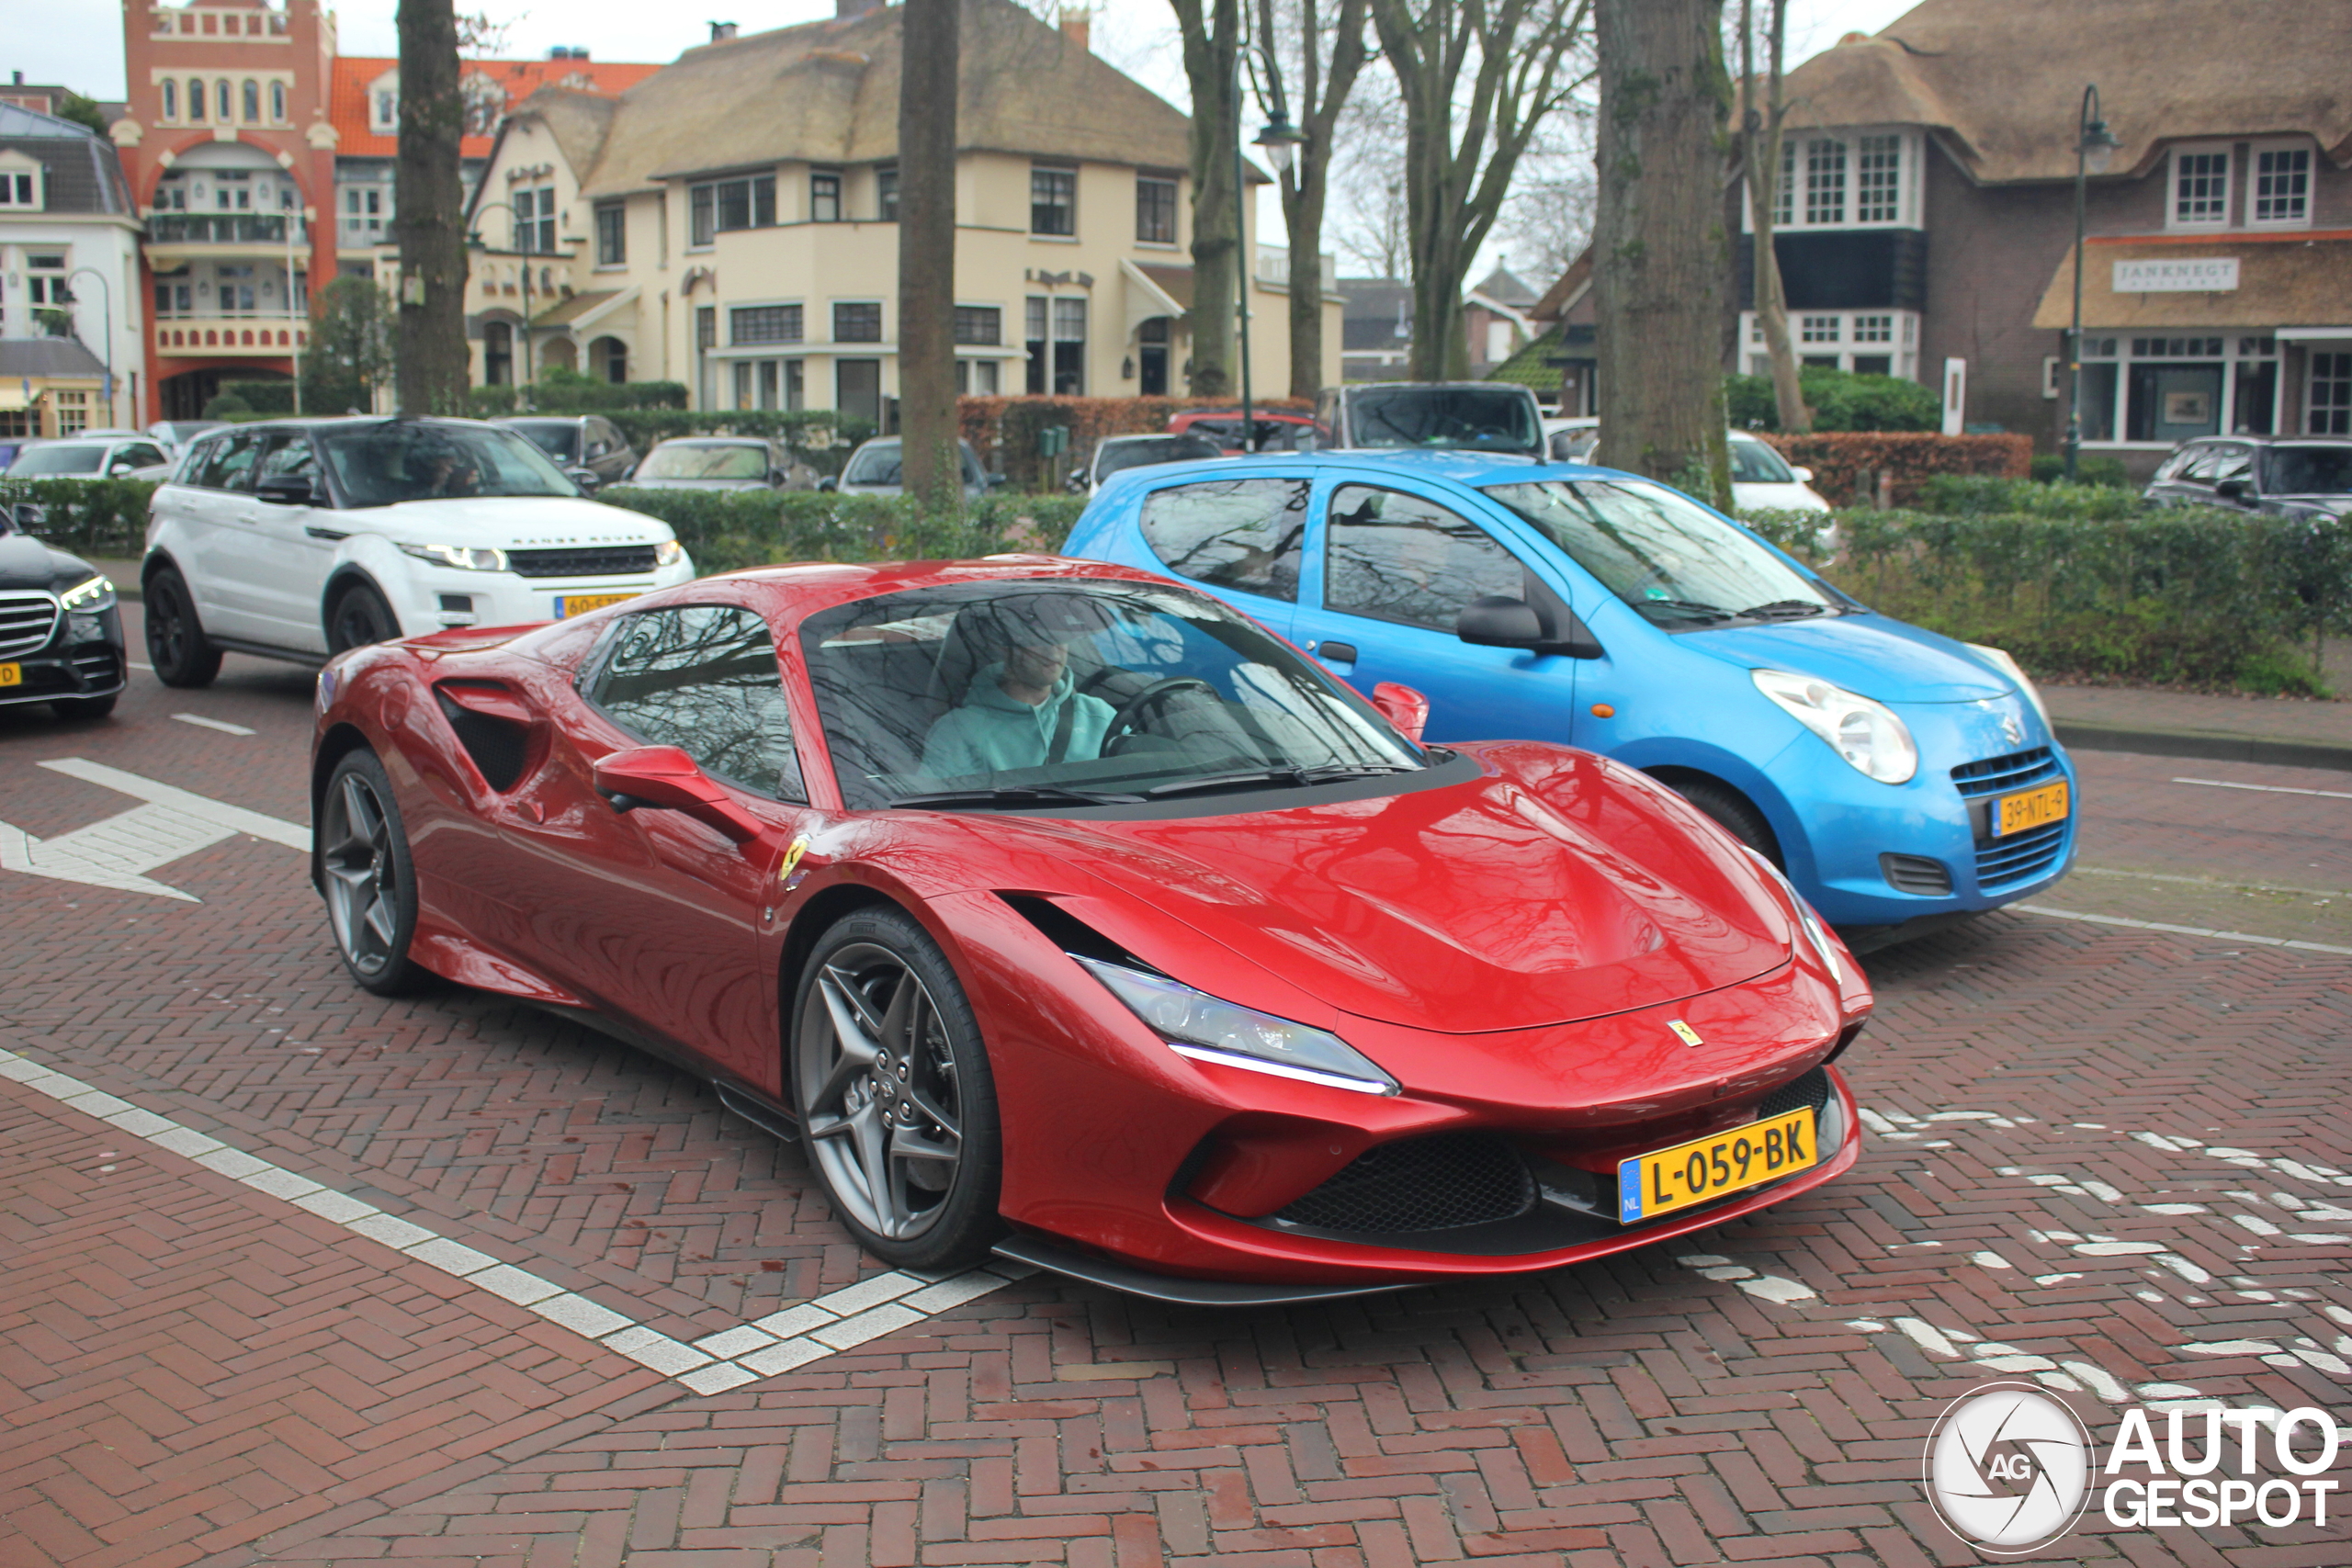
(1674, 561)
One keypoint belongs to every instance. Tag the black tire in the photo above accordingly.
(897, 1103)
(85, 707)
(176, 645)
(369, 882)
(1732, 812)
(359, 616)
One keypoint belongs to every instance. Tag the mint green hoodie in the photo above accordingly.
(992, 732)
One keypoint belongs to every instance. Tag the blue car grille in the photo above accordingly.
(1995, 775)
(2021, 857)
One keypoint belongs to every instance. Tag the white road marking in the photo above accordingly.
(136, 665)
(744, 1353)
(200, 721)
(119, 851)
(2045, 910)
(2267, 789)
(2207, 882)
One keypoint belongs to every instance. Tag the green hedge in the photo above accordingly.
(567, 391)
(107, 518)
(2089, 587)
(725, 532)
(1840, 401)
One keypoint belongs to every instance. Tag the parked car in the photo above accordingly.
(722, 462)
(130, 456)
(588, 447)
(174, 434)
(1271, 429)
(2288, 475)
(1761, 480)
(299, 538)
(1116, 454)
(873, 469)
(60, 631)
(1897, 776)
(1203, 980)
(1493, 417)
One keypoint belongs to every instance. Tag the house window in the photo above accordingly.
(612, 233)
(24, 190)
(981, 325)
(1052, 201)
(388, 111)
(1784, 196)
(253, 102)
(885, 194)
(278, 102)
(2330, 405)
(172, 299)
(195, 100)
(1155, 211)
(222, 93)
(1873, 329)
(1069, 348)
(857, 320)
(763, 324)
(534, 219)
(976, 378)
(171, 99)
(748, 203)
(707, 327)
(1825, 182)
(1817, 329)
(1878, 179)
(824, 198)
(2200, 188)
(2283, 186)
(769, 384)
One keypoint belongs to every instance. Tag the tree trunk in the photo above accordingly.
(927, 84)
(428, 201)
(1322, 95)
(1212, 39)
(1762, 155)
(1659, 251)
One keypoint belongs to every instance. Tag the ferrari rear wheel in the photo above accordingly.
(369, 882)
(897, 1103)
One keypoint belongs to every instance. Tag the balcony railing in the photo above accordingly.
(255, 335)
(1274, 267)
(221, 229)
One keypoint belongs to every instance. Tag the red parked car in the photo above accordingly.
(1274, 430)
(1062, 910)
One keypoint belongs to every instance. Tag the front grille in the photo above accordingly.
(1421, 1184)
(2021, 857)
(101, 671)
(1812, 1089)
(603, 560)
(1915, 873)
(1995, 775)
(27, 622)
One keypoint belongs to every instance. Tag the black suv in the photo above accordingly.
(2287, 475)
(588, 447)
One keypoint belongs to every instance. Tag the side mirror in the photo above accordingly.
(1804, 475)
(664, 778)
(120, 466)
(2231, 490)
(1496, 620)
(586, 478)
(1402, 706)
(828, 482)
(779, 477)
(286, 489)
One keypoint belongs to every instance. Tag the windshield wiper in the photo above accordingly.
(1686, 606)
(1296, 778)
(1011, 795)
(1791, 609)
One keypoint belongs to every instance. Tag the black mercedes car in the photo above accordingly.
(60, 631)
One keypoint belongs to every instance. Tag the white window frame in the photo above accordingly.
(2173, 174)
(1796, 154)
(2108, 345)
(1900, 348)
(2253, 181)
(16, 168)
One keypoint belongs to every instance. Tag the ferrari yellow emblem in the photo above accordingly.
(1684, 1032)
(792, 857)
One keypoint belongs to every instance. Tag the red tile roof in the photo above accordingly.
(347, 100)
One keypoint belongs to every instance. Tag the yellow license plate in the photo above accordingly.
(1706, 1168)
(2030, 809)
(581, 604)
(12, 674)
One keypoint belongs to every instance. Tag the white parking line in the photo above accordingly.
(2182, 930)
(2267, 789)
(743, 1353)
(198, 719)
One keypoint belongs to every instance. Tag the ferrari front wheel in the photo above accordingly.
(369, 882)
(898, 1109)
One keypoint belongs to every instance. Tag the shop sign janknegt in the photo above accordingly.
(2183, 275)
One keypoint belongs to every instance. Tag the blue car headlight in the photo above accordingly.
(96, 594)
(1866, 734)
(1207, 1029)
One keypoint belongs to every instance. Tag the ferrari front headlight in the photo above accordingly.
(1866, 734)
(96, 594)
(463, 557)
(1207, 1029)
(669, 552)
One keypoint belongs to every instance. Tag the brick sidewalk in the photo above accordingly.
(2267, 718)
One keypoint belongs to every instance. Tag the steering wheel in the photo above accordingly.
(1159, 691)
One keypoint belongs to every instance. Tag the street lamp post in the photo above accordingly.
(1281, 140)
(2094, 146)
(106, 294)
(474, 240)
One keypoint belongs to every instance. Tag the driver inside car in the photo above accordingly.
(1024, 710)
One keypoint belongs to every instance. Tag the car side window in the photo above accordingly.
(230, 463)
(289, 457)
(2200, 470)
(1399, 558)
(1245, 535)
(143, 454)
(2232, 462)
(2174, 464)
(704, 678)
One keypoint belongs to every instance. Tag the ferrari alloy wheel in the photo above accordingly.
(359, 617)
(896, 1102)
(369, 884)
(176, 644)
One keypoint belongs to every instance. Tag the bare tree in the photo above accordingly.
(1548, 220)
(929, 48)
(1659, 251)
(1330, 50)
(1478, 79)
(1760, 143)
(1211, 30)
(428, 200)
(1367, 180)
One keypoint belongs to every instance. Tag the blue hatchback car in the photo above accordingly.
(1897, 776)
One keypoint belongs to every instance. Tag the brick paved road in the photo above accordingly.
(2098, 1148)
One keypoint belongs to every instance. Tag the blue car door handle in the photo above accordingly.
(1336, 652)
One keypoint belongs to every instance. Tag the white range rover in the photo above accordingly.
(299, 538)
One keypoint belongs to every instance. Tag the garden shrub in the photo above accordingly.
(725, 531)
(1839, 400)
(1845, 464)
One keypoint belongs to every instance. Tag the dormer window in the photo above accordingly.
(2200, 188)
(387, 109)
(1846, 180)
(2281, 195)
(19, 189)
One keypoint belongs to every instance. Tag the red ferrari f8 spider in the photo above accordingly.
(1058, 909)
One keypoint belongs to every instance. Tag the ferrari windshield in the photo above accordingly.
(1027, 693)
(696, 460)
(1673, 560)
(384, 464)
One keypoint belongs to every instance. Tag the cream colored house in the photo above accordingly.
(729, 222)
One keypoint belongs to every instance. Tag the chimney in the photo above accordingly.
(1079, 28)
(721, 31)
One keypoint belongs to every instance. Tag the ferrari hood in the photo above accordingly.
(1464, 909)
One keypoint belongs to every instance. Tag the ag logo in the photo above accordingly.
(2008, 1467)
